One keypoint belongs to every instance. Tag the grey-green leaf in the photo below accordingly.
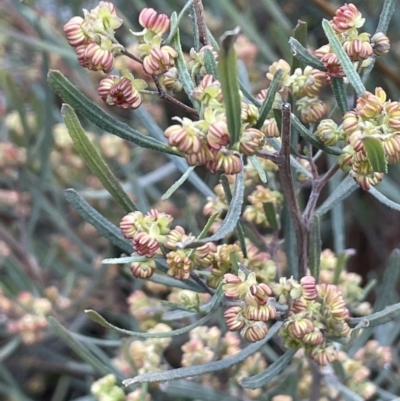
(303, 55)
(214, 366)
(79, 102)
(228, 77)
(315, 245)
(345, 62)
(268, 374)
(375, 154)
(94, 160)
(231, 218)
(383, 199)
(93, 217)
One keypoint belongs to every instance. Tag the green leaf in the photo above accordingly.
(300, 34)
(387, 13)
(343, 191)
(290, 242)
(197, 370)
(260, 170)
(344, 59)
(181, 65)
(387, 289)
(178, 183)
(124, 260)
(389, 314)
(94, 160)
(231, 218)
(93, 217)
(215, 305)
(195, 391)
(269, 100)
(375, 154)
(339, 90)
(176, 20)
(270, 214)
(383, 199)
(303, 55)
(268, 374)
(309, 137)
(342, 259)
(77, 347)
(210, 64)
(315, 245)
(228, 77)
(79, 102)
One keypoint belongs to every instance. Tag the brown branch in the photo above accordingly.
(317, 186)
(160, 90)
(201, 22)
(282, 159)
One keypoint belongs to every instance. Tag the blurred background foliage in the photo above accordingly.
(45, 247)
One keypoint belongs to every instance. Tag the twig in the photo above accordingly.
(199, 281)
(201, 22)
(160, 90)
(282, 159)
(317, 186)
(316, 382)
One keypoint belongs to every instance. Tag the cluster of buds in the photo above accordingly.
(157, 57)
(254, 308)
(376, 117)
(150, 232)
(106, 389)
(255, 212)
(206, 141)
(317, 312)
(147, 355)
(349, 284)
(93, 37)
(304, 85)
(27, 317)
(360, 47)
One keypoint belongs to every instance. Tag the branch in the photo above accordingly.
(201, 22)
(160, 90)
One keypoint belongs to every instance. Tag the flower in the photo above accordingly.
(154, 22)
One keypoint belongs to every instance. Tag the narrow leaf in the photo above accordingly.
(315, 245)
(77, 347)
(93, 217)
(387, 13)
(303, 55)
(124, 260)
(197, 370)
(210, 64)
(269, 100)
(344, 59)
(195, 391)
(383, 199)
(178, 183)
(228, 77)
(300, 34)
(181, 65)
(309, 137)
(231, 218)
(342, 259)
(176, 21)
(260, 170)
(94, 160)
(268, 374)
(78, 101)
(375, 154)
(96, 317)
(290, 242)
(270, 214)
(387, 289)
(343, 191)
(389, 314)
(339, 90)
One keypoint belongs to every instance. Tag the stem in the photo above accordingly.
(199, 281)
(160, 90)
(282, 159)
(286, 180)
(317, 186)
(201, 22)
